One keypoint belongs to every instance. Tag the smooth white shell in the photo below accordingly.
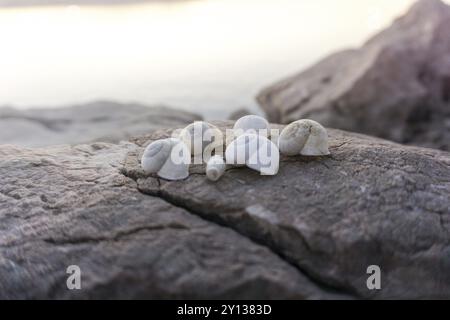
(240, 149)
(251, 124)
(155, 155)
(199, 136)
(169, 158)
(256, 152)
(215, 168)
(305, 137)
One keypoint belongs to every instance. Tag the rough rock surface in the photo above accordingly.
(309, 232)
(98, 121)
(397, 86)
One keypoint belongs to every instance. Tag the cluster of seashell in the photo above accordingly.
(250, 146)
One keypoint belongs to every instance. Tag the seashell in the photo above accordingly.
(251, 124)
(215, 168)
(305, 137)
(169, 158)
(256, 152)
(199, 136)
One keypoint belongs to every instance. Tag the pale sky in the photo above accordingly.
(202, 55)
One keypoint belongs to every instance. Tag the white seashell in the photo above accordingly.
(251, 124)
(155, 155)
(215, 168)
(305, 137)
(240, 149)
(256, 152)
(199, 136)
(169, 158)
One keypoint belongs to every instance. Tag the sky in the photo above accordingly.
(208, 56)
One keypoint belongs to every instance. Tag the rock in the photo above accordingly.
(308, 233)
(98, 121)
(239, 113)
(397, 86)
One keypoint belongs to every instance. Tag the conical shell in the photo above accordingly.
(200, 135)
(169, 158)
(215, 168)
(155, 155)
(251, 124)
(305, 137)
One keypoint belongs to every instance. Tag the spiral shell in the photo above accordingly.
(168, 158)
(200, 136)
(251, 124)
(256, 152)
(305, 137)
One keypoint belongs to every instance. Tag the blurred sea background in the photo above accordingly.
(206, 56)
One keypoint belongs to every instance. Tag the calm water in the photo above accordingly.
(209, 56)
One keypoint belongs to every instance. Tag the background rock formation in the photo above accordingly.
(397, 86)
(98, 121)
(309, 232)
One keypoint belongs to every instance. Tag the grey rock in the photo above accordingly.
(397, 86)
(62, 206)
(310, 232)
(103, 121)
(372, 202)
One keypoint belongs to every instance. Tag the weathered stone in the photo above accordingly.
(99, 121)
(397, 86)
(309, 232)
(64, 206)
(370, 202)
